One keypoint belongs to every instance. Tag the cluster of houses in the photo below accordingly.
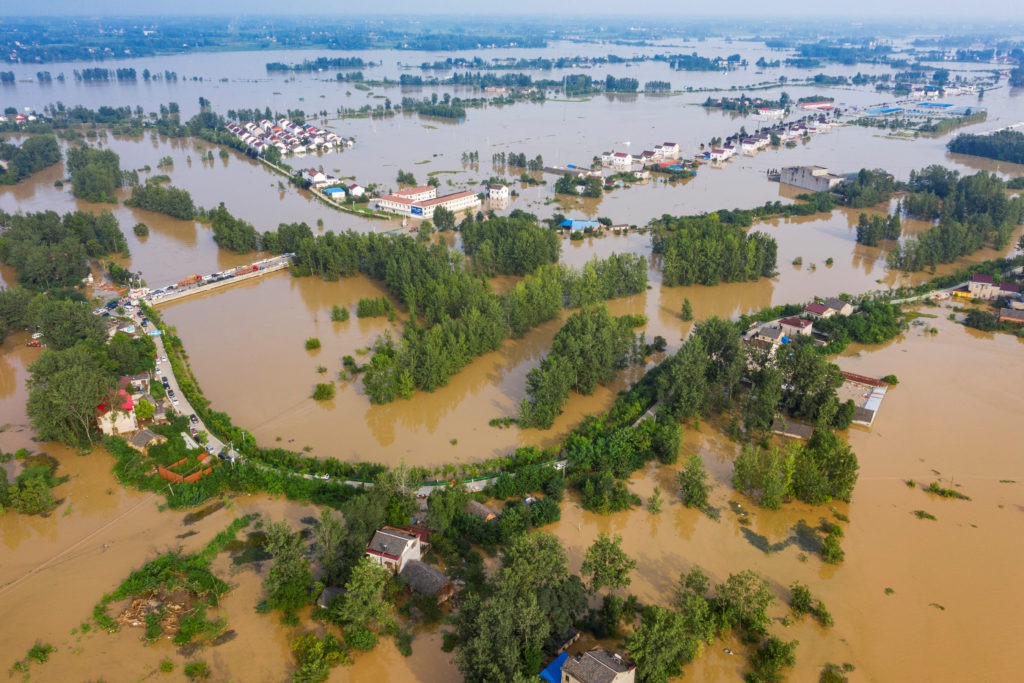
(985, 287)
(329, 185)
(17, 118)
(775, 333)
(400, 550)
(624, 161)
(423, 201)
(753, 143)
(287, 136)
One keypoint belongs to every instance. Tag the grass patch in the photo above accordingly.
(170, 594)
(921, 514)
(938, 490)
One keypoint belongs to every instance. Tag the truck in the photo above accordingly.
(190, 280)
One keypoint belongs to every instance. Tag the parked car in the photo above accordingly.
(193, 418)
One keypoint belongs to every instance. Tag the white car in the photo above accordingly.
(164, 359)
(175, 400)
(321, 476)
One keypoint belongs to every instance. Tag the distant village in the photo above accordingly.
(287, 137)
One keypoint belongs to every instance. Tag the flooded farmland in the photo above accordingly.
(952, 615)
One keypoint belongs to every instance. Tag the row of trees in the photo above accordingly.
(50, 251)
(705, 250)
(34, 154)
(586, 352)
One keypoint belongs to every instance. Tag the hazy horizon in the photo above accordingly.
(979, 11)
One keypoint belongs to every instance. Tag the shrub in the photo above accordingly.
(167, 666)
(324, 391)
(141, 230)
(197, 671)
(312, 344)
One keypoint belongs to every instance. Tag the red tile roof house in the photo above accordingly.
(817, 310)
(792, 327)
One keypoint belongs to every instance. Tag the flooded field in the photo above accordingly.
(952, 614)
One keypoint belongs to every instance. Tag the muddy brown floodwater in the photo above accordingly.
(953, 614)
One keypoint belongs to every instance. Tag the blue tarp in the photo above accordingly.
(553, 672)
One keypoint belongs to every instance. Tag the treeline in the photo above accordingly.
(454, 316)
(809, 204)
(52, 252)
(34, 154)
(95, 174)
(870, 231)
(320, 64)
(449, 108)
(975, 211)
(515, 245)
(705, 250)
(586, 352)
(1003, 145)
(101, 74)
(519, 160)
(156, 196)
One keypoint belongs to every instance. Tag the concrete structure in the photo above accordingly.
(393, 548)
(622, 160)
(421, 202)
(813, 178)
(598, 666)
(983, 287)
(498, 192)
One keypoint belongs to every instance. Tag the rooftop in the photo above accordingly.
(817, 309)
(983, 279)
(389, 541)
(423, 578)
(799, 323)
(596, 666)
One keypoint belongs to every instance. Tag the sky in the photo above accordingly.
(978, 10)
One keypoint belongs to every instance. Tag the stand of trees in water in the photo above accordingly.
(516, 245)
(707, 250)
(586, 352)
(51, 252)
(95, 174)
(1003, 145)
(453, 315)
(972, 211)
(156, 195)
(871, 230)
(34, 154)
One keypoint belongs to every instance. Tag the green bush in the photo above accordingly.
(312, 344)
(324, 391)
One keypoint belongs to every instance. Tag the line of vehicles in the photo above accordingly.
(197, 280)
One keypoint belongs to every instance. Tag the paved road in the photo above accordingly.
(183, 407)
